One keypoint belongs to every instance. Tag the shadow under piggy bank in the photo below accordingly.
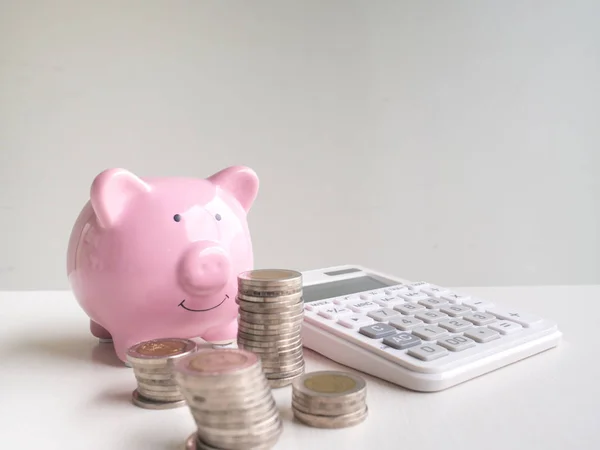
(71, 348)
(80, 347)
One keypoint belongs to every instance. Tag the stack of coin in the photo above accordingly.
(329, 399)
(152, 363)
(230, 400)
(271, 311)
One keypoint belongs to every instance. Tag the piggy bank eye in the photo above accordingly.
(218, 216)
(176, 217)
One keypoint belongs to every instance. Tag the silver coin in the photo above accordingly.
(268, 330)
(281, 338)
(286, 374)
(268, 346)
(329, 404)
(278, 354)
(270, 307)
(292, 316)
(236, 420)
(277, 383)
(282, 322)
(268, 359)
(294, 298)
(324, 409)
(279, 327)
(246, 434)
(233, 415)
(342, 421)
(146, 403)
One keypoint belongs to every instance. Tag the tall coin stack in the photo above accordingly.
(329, 399)
(271, 311)
(230, 400)
(152, 363)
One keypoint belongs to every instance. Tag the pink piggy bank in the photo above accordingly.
(159, 257)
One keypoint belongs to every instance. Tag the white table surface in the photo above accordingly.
(61, 389)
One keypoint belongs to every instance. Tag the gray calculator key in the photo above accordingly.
(455, 325)
(378, 330)
(479, 318)
(457, 343)
(409, 308)
(429, 332)
(431, 316)
(402, 341)
(383, 314)
(428, 352)
(523, 319)
(433, 302)
(506, 327)
(405, 323)
(388, 301)
(482, 334)
(456, 310)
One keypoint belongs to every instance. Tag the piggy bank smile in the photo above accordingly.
(202, 310)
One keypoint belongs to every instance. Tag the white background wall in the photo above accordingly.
(455, 141)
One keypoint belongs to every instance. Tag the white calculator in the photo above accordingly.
(417, 335)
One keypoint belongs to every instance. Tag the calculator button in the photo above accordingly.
(409, 308)
(378, 330)
(405, 323)
(479, 318)
(389, 301)
(383, 315)
(482, 334)
(372, 295)
(363, 307)
(313, 306)
(455, 325)
(431, 316)
(457, 343)
(428, 352)
(506, 327)
(433, 302)
(429, 332)
(355, 321)
(435, 291)
(417, 285)
(395, 290)
(413, 296)
(334, 311)
(478, 304)
(456, 310)
(347, 299)
(523, 319)
(453, 297)
(402, 341)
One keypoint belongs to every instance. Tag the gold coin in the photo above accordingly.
(160, 348)
(329, 383)
(273, 275)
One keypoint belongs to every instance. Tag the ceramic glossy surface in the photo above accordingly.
(151, 258)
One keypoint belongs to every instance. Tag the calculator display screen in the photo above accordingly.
(340, 287)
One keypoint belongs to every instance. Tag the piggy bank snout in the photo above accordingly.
(205, 268)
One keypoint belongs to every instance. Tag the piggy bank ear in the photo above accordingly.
(111, 192)
(239, 181)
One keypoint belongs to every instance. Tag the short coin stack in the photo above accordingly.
(152, 363)
(271, 311)
(329, 399)
(230, 400)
